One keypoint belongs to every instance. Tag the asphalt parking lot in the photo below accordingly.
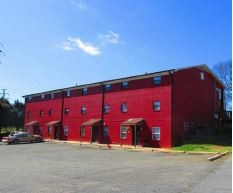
(59, 168)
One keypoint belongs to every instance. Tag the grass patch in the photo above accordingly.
(207, 144)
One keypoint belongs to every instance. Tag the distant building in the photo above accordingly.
(154, 109)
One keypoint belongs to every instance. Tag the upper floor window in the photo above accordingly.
(66, 111)
(68, 93)
(30, 98)
(50, 112)
(52, 96)
(124, 85)
(41, 113)
(123, 107)
(107, 87)
(106, 108)
(156, 133)
(156, 105)
(202, 76)
(42, 96)
(84, 90)
(83, 110)
(157, 80)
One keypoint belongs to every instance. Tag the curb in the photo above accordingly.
(215, 157)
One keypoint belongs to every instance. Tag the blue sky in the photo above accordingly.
(54, 44)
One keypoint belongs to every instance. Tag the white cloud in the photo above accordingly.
(87, 47)
(67, 46)
(109, 38)
(80, 4)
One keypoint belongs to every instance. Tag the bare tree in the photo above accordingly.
(224, 73)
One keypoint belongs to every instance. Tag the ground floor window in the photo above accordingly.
(66, 131)
(106, 131)
(83, 131)
(123, 132)
(156, 133)
(50, 128)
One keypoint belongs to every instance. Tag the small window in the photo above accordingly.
(156, 105)
(84, 90)
(107, 87)
(50, 112)
(106, 108)
(156, 133)
(66, 131)
(202, 76)
(50, 129)
(83, 110)
(66, 111)
(28, 114)
(123, 132)
(83, 131)
(123, 107)
(68, 93)
(30, 98)
(52, 96)
(124, 85)
(41, 113)
(42, 96)
(106, 131)
(157, 80)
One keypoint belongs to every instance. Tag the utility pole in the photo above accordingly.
(4, 93)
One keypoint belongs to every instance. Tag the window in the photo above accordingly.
(123, 132)
(202, 76)
(107, 87)
(28, 114)
(66, 111)
(68, 93)
(52, 96)
(219, 93)
(156, 133)
(106, 108)
(30, 98)
(50, 129)
(41, 113)
(106, 131)
(65, 131)
(157, 80)
(42, 96)
(83, 110)
(50, 112)
(83, 131)
(124, 108)
(124, 85)
(156, 105)
(84, 90)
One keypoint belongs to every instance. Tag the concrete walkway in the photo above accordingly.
(220, 181)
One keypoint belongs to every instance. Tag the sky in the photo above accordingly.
(50, 44)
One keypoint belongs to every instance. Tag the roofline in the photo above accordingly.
(136, 77)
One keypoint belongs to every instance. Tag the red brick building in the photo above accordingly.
(156, 109)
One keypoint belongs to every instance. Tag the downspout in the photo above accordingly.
(62, 113)
(102, 113)
(171, 73)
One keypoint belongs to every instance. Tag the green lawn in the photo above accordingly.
(214, 144)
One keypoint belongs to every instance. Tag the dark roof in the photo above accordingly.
(133, 121)
(92, 122)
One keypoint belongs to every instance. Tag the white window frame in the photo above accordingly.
(66, 130)
(106, 105)
(125, 84)
(107, 87)
(83, 110)
(68, 93)
(42, 96)
(157, 105)
(156, 133)
(124, 108)
(202, 76)
(52, 96)
(30, 98)
(125, 133)
(84, 91)
(66, 111)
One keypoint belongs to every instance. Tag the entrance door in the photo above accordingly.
(137, 137)
(56, 132)
(95, 133)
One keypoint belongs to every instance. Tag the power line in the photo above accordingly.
(4, 93)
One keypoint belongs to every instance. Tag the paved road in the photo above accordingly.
(220, 181)
(69, 168)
